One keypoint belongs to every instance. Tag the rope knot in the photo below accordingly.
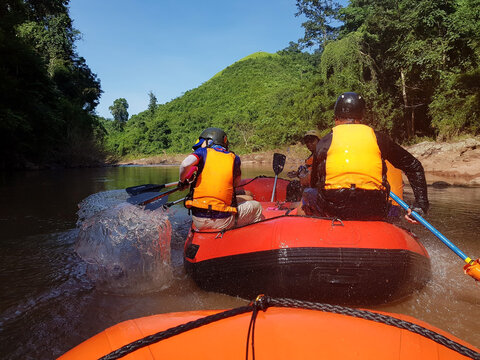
(262, 302)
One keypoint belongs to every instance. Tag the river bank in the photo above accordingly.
(455, 163)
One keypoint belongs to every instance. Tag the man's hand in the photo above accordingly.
(292, 174)
(418, 210)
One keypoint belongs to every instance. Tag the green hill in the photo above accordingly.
(253, 100)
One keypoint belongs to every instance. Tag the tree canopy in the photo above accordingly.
(416, 62)
(48, 93)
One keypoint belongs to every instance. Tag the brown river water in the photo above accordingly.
(48, 304)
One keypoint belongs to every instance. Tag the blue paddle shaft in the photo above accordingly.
(435, 232)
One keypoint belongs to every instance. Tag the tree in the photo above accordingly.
(322, 15)
(47, 93)
(412, 43)
(152, 104)
(119, 112)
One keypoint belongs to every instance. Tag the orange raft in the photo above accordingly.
(277, 333)
(307, 258)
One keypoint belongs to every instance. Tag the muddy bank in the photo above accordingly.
(456, 163)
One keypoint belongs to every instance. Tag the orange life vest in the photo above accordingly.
(394, 177)
(214, 187)
(354, 159)
(309, 161)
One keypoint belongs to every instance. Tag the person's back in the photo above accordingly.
(212, 199)
(349, 177)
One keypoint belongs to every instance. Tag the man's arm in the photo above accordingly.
(186, 165)
(237, 172)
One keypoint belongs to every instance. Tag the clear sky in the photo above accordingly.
(171, 46)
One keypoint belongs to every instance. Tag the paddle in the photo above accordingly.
(278, 164)
(142, 197)
(150, 197)
(473, 266)
(135, 190)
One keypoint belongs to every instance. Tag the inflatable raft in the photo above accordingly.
(308, 258)
(274, 329)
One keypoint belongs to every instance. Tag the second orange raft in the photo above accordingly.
(315, 259)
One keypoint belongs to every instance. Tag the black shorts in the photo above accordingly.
(346, 204)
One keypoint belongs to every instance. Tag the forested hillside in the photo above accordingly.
(48, 94)
(253, 100)
(417, 63)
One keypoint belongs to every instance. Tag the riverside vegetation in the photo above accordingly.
(417, 63)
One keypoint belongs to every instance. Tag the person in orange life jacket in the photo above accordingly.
(212, 199)
(349, 172)
(240, 193)
(295, 187)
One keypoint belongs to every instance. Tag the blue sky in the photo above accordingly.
(171, 46)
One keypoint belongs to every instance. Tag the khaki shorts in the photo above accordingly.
(247, 212)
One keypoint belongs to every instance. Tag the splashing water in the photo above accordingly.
(126, 248)
(98, 202)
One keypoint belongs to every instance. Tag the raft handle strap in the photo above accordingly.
(337, 222)
(220, 233)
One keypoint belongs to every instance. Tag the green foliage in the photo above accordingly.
(455, 108)
(251, 100)
(415, 62)
(47, 92)
(152, 103)
(320, 25)
(119, 110)
(414, 45)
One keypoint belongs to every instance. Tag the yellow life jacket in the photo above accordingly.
(214, 187)
(394, 177)
(354, 159)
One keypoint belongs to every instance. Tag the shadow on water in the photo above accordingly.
(48, 304)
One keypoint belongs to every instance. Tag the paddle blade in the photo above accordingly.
(278, 163)
(473, 269)
(154, 205)
(141, 199)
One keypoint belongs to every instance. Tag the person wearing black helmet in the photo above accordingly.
(349, 174)
(212, 200)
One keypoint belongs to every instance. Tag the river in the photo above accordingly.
(48, 304)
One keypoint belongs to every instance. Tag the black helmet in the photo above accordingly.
(349, 105)
(218, 136)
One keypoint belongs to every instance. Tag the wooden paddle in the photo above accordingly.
(278, 164)
(473, 266)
